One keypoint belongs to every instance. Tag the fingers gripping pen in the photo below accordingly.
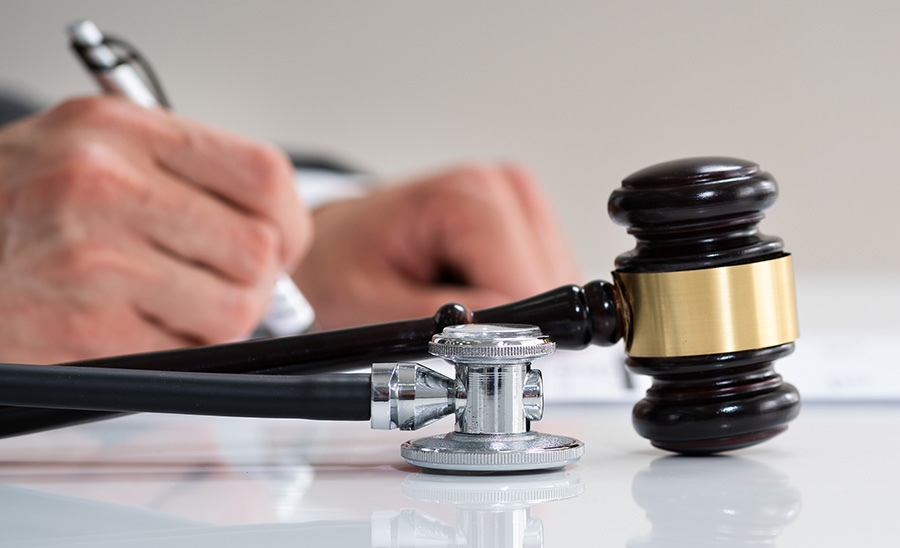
(289, 312)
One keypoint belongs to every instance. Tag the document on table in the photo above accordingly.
(824, 368)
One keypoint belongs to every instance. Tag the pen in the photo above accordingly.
(289, 312)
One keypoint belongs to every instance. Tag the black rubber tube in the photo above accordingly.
(574, 317)
(340, 397)
(313, 353)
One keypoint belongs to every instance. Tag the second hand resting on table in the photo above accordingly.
(127, 229)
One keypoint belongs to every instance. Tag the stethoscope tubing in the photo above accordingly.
(343, 397)
(572, 316)
(307, 354)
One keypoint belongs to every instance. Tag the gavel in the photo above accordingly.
(704, 303)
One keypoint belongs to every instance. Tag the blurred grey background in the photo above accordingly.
(583, 93)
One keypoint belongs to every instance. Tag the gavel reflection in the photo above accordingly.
(704, 302)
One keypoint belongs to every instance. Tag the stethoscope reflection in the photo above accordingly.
(720, 501)
(490, 510)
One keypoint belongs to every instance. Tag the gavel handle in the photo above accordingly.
(574, 317)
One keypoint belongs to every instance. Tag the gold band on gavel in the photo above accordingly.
(710, 311)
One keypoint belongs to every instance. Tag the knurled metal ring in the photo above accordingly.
(491, 341)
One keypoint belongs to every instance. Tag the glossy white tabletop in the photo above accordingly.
(153, 480)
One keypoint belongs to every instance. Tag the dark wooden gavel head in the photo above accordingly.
(709, 304)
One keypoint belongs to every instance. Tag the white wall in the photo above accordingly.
(582, 92)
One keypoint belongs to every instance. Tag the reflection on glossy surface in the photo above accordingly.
(720, 501)
(490, 510)
(34, 518)
(216, 483)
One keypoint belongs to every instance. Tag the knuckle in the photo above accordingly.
(468, 187)
(298, 241)
(85, 173)
(477, 174)
(87, 262)
(477, 181)
(95, 110)
(241, 309)
(230, 314)
(522, 178)
(269, 170)
(261, 248)
(85, 161)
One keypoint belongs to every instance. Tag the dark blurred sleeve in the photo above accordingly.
(12, 108)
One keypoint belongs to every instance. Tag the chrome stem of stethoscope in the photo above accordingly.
(494, 396)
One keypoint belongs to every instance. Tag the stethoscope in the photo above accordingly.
(494, 395)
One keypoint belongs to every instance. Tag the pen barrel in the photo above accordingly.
(125, 82)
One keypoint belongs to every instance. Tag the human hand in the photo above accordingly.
(127, 229)
(387, 256)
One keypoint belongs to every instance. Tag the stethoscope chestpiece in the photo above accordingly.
(495, 397)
